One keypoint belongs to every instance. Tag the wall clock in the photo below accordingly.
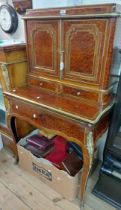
(8, 18)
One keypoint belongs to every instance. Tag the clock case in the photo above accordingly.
(14, 18)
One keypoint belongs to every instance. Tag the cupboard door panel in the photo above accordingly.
(43, 47)
(85, 47)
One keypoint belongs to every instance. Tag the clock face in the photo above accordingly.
(5, 19)
(8, 19)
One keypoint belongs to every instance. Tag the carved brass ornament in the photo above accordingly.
(61, 64)
(90, 145)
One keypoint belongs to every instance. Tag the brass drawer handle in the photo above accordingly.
(41, 83)
(34, 116)
(78, 93)
(16, 106)
(14, 90)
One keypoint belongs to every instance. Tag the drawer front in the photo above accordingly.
(49, 120)
(80, 93)
(43, 84)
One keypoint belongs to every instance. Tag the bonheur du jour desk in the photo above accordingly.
(69, 88)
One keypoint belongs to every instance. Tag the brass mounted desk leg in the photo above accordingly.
(88, 151)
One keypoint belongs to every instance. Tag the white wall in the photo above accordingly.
(60, 3)
(55, 3)
(100, 1)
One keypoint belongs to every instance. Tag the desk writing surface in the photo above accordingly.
(59, 103)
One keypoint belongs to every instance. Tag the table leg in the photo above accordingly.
(88, 151)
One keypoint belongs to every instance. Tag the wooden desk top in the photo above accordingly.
(76, 109)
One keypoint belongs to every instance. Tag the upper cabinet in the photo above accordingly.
(77, 50)
(70, 50)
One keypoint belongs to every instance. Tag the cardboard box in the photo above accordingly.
(57, 179)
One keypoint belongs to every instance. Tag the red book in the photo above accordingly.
(35, 150)
(59, 152)
(40, 141)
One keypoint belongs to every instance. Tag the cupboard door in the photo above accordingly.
(87, 44)
(43, 47)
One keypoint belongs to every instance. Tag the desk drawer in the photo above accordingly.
(43, 84)
(78, 93)
(50, 120)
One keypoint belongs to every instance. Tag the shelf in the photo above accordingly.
(4, 43)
